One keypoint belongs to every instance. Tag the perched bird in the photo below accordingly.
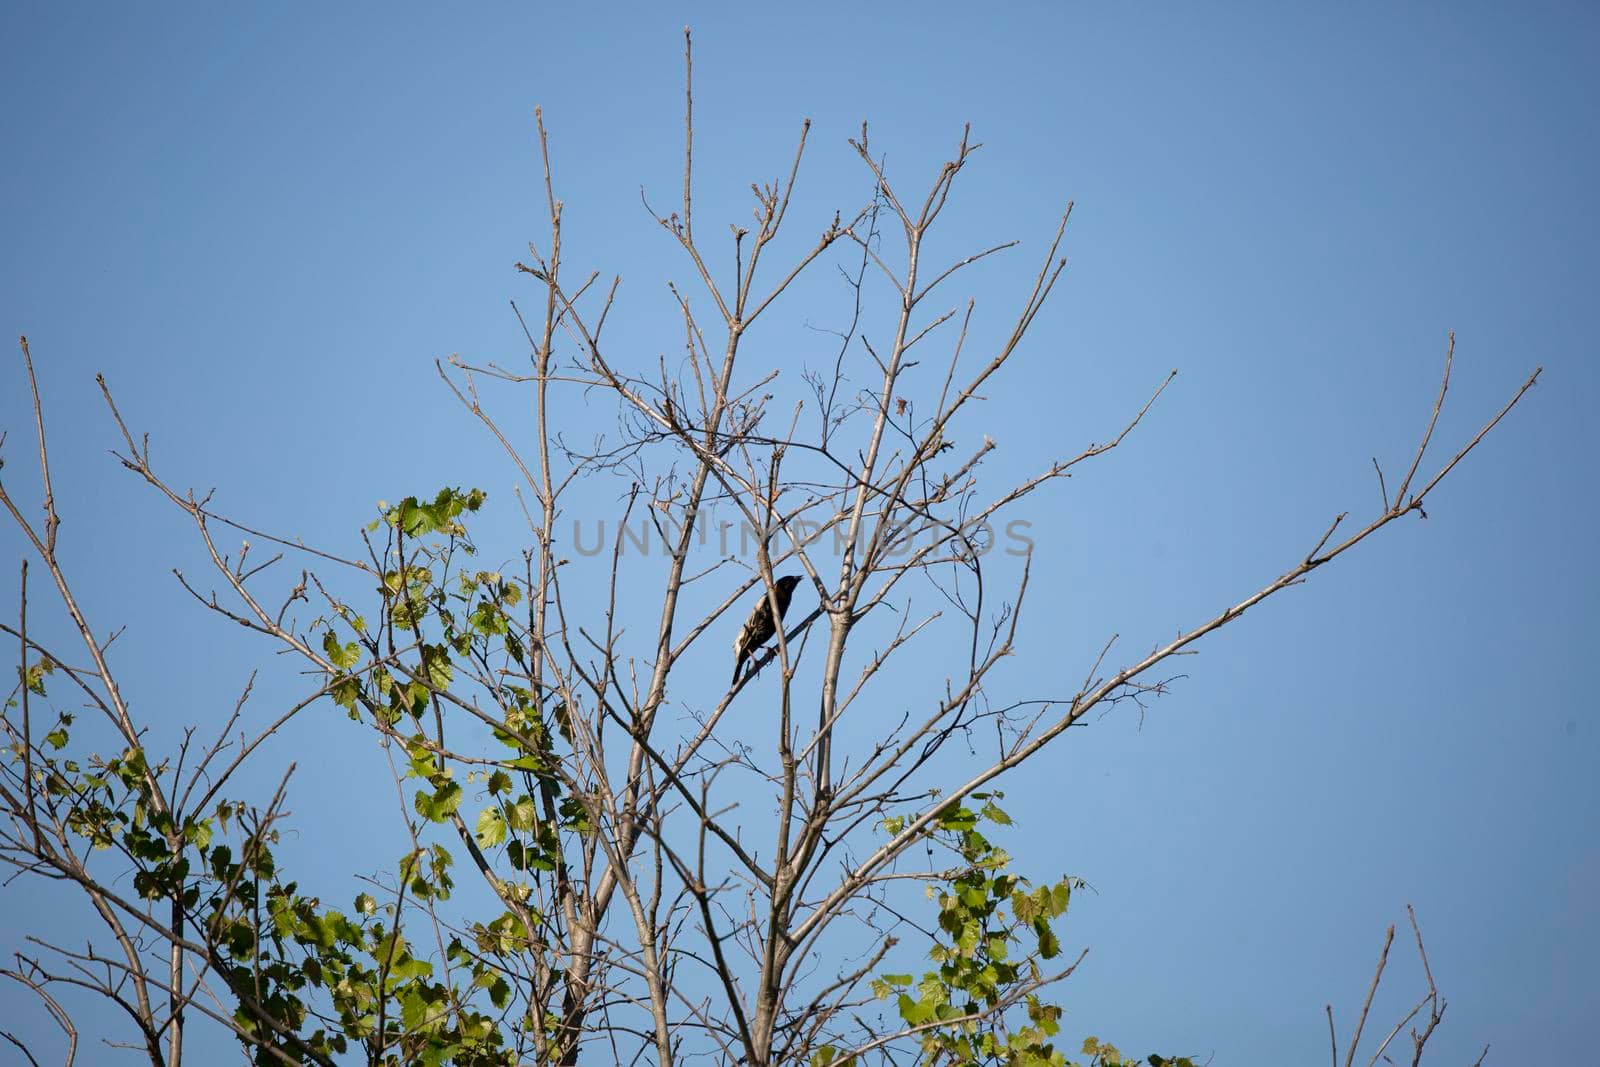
(759, 627)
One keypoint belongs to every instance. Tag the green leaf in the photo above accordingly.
(33, 677)
(1049, 944)
(524, 814)
(415, 518)
(991, 812)
(488, 619)
(341, 656)
(446, 800)
(914, 1012)
(345, 691)
(436, 666)
(491, 828)
(199, 834)
(956, 817)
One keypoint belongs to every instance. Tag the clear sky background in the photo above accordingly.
(265, 227)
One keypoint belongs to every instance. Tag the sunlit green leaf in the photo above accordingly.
(491, 828)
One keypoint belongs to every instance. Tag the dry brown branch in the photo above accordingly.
(1430, 1000)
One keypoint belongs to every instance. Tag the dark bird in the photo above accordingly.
(759, 628)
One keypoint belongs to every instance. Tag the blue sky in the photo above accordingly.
(265, 227)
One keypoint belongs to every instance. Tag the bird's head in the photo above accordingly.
(787, 583)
